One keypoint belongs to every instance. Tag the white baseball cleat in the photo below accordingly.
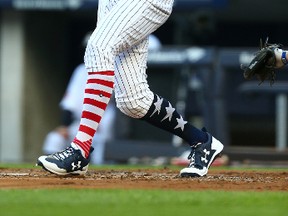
(201, 157)
(66, 162)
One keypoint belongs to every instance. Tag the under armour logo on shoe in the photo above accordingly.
(206, 152)
(77, 166)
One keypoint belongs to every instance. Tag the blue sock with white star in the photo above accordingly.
(162, 115)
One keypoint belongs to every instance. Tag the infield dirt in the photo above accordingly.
(162, 178)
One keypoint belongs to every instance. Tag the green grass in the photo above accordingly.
(80, 202)
(140, 202)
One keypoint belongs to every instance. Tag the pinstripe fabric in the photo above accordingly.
(122, 30)
(132, 92)
(119, 44)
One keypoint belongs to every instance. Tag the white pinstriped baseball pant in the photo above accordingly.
(120, 44)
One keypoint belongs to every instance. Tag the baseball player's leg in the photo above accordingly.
(75, 159)
(135, 99)
(125, 25)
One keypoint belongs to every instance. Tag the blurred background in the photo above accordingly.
(197, 69)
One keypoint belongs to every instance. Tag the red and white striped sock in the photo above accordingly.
(98, 91)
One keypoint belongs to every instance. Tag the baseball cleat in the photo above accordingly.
(201, 157)
(66, 162)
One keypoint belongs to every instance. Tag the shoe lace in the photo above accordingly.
(191, 156)
(62, 155)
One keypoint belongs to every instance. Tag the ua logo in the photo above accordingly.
(205, 157)
(76, 166)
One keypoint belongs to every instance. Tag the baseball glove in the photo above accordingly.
(263, 64)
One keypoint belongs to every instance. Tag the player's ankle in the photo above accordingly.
(75, 146)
